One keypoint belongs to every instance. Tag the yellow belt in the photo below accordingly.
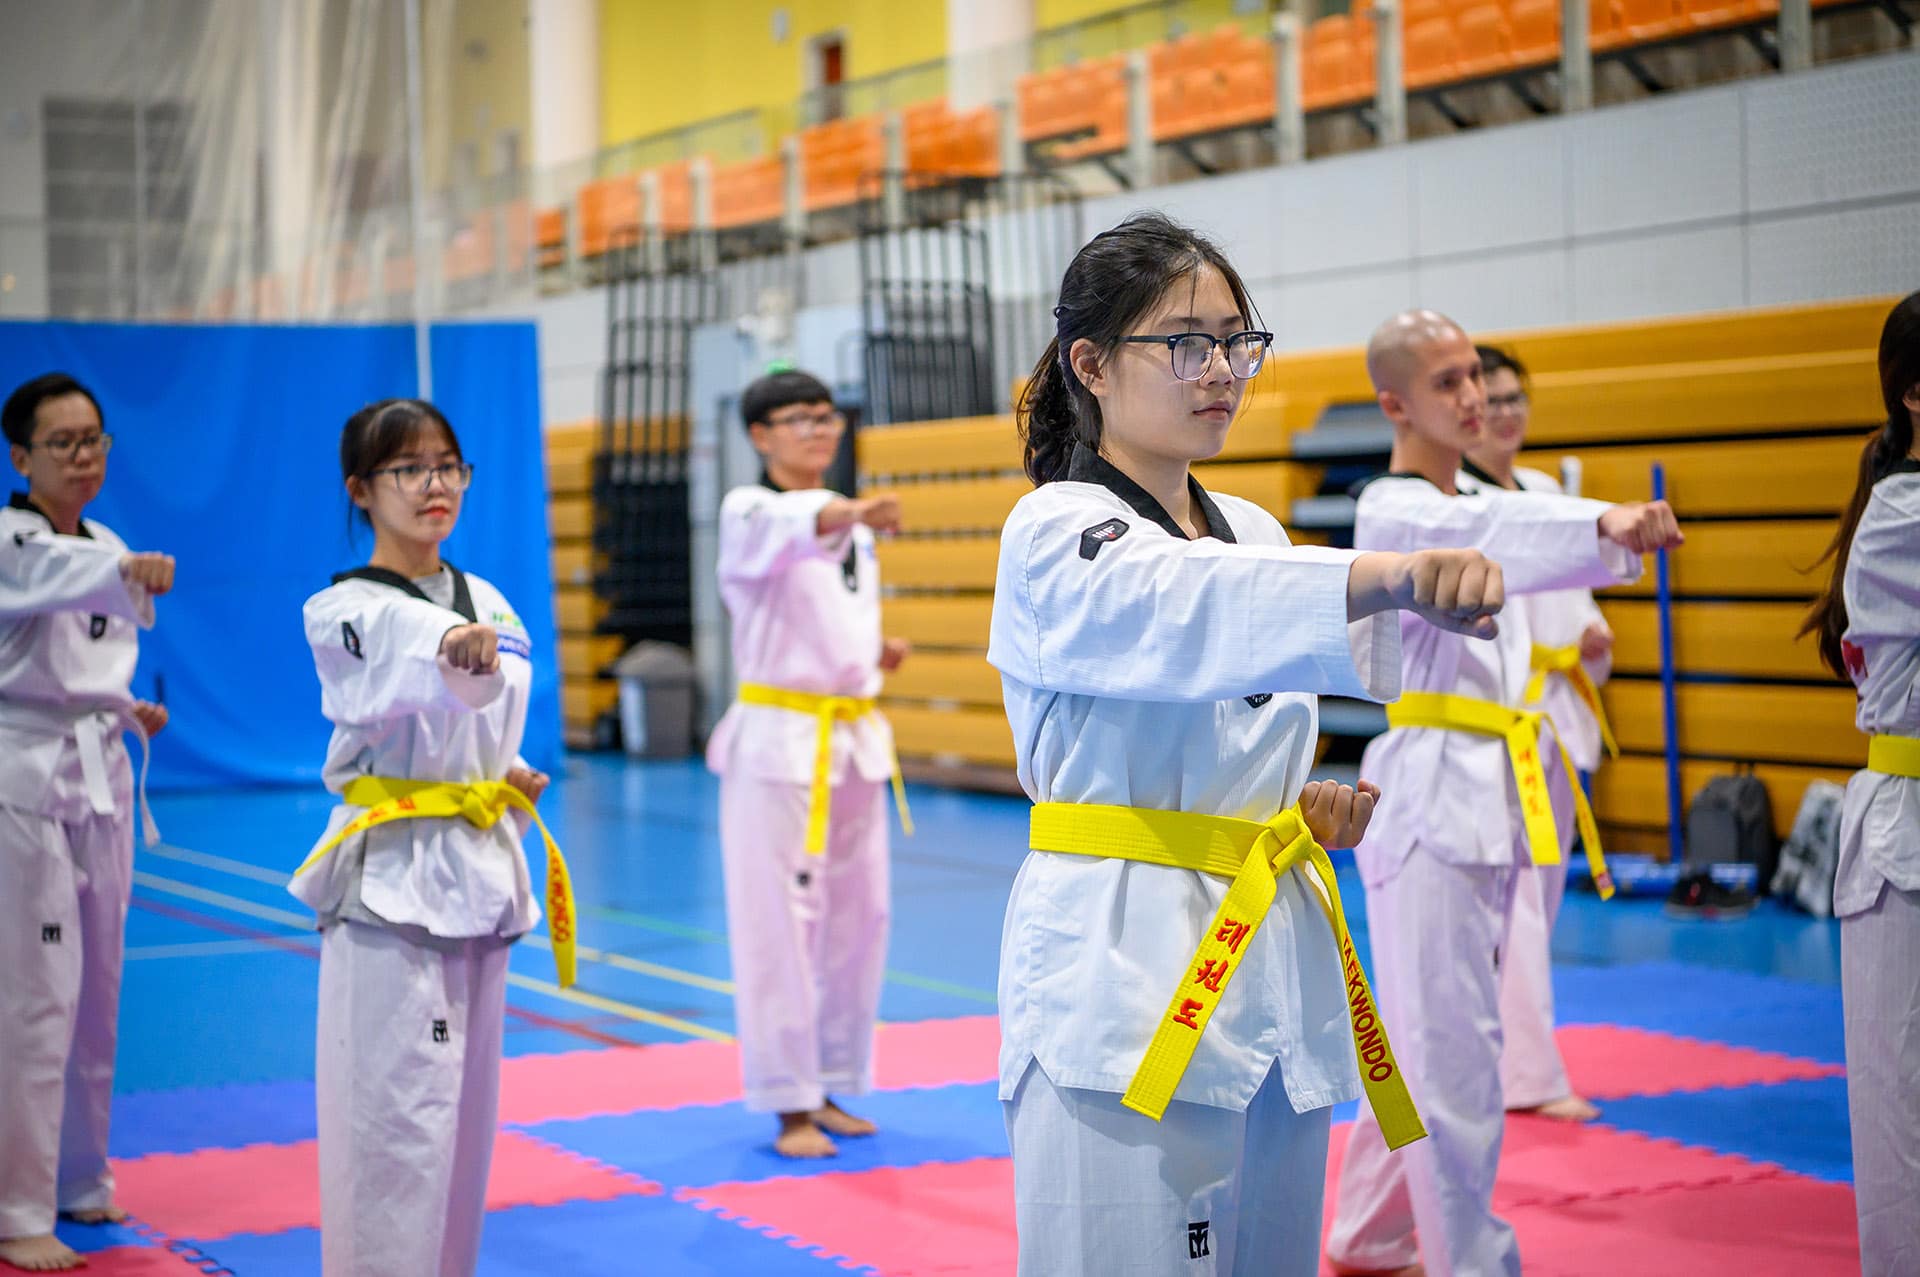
(1253, 855)
(826, 710)
(1566, 661)
(1521, 731)
(481, 804)
(1894, 755)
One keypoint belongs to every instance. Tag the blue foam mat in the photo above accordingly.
(722, 1143)
(193, 1118)
(1801, 1126)
(88, 1238)
(1763, 1013)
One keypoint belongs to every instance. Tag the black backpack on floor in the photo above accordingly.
(1730, 821)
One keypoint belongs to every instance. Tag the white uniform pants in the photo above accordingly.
(1102, 1191)
(1531, 1070)
(1880, 982)
(808, 937)
(1435, 929)
(407, 1087)
(64, 890)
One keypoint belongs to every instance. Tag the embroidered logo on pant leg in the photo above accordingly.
(50, 933)
(96, 627)
(440, 1031)
(1197, 1247)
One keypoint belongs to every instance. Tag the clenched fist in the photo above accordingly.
(1458, 590)
(1642, 526)
(151, 717)
(151, 572)
(892, 652)
(1337, 814)
(473, 648)
(529, 782)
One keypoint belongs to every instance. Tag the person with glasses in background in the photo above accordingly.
(72, 600)
(1572, 657)
(804, 760)
(420, 882)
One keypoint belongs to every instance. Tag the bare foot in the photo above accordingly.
(799, 1137)
(43, 1254)
(1569, 1108)
(830, 1117)
(97, 1215)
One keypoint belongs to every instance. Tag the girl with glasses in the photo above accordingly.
(1180, 1003)
(420, 882)
(72, 603)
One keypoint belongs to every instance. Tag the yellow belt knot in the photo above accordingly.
(1520, 729)
(826, 711)
(480, 803)
(1253, 854)
(1565, 661)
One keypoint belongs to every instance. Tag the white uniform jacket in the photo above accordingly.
(68, 645)
(1880, 822)
(1558, 618)
(1449, 792)
(399, 710)
(1143, 669)
(806, 618)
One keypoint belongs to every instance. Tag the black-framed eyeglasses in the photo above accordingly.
(1192, 353)
(67, 447)
(1505, 404)
(808, 424)
(414, 478)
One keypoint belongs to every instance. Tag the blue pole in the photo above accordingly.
(1676, 840)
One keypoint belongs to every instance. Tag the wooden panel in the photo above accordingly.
(651, 434)
(1781, 393)
(929, 621)
(965, 734)
(573, 563)
(577, 609)
(1335, 375)
(1732, 560)
(569, 471)
(1746, 721)
(582, 700)
(964, 677)
(585, 656)
(1632, 790)
(940, 563)
(1754, 640)
(1271, 485)
(570, 517)
(1788, 476)
(1792, 330)
(968, 445)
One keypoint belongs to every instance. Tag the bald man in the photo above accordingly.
(1442, 855)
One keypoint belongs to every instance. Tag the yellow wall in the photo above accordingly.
(1197, 15)
(663, 65)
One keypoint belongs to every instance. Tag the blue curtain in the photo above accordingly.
(226, 455)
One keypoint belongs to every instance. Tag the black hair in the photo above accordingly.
(1494, 358)
(1899, 373)
(381, 431)
(778, 390)
(1116, 278)
(17, 418)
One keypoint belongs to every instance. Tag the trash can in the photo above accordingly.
(656, 700)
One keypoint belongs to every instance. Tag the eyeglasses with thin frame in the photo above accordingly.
(1507, 405)
(1192, 353)
(414, 478)
(806, 425)
(67, 447)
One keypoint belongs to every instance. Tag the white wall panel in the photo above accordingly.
(1662, 273)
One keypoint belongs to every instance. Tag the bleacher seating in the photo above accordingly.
(1730, 404)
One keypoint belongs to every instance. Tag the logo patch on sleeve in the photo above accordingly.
(351, 640)
(96, 627)
(1259, 698)
(1098, 535)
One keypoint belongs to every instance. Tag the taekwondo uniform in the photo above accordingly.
(1144, 670)
(68, 645)
(1876, 892)
(1531, 1070)
(1440, 863)
(803, 760)
(416, 917)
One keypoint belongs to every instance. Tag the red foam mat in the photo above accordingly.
(270, 1188)
(575, 1084)
(944, 1217)
(1605, 1061)
(130, 1261)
